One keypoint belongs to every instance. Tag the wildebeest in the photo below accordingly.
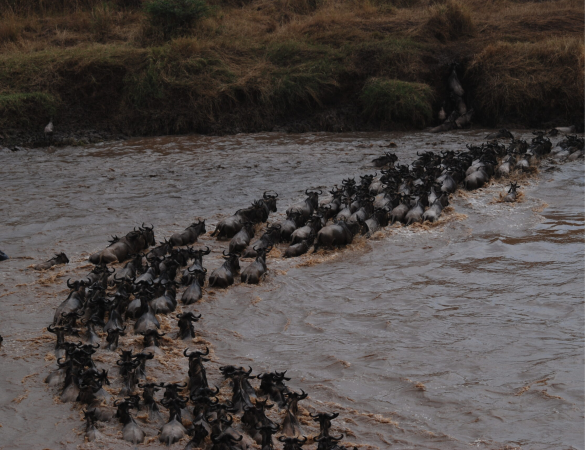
(415, 213)
(91, 431)
(291, 443)
(257, 213)
(453, 82)
(120, 249)
(160, 250)
(293, 220)
(378, 220)
(173, 430)
(297, 249)
(186, 329)
(223, 276)
(324, 420)
(506, 166)
(166, 302)
(189, 236)
(432, 214)
(290, 424)
(113, 336)
(193, 291)
(501, 134)
(512, 193)
(336, 235)
(242, 238)
(128, 272)
(270, 237)
(72, 303)
(131, 431)
(151, 338)
(197, 373)
(59, 258)
(256, 270)
(308, 232)
(399, 212)
(146, 320)
(307, 207)
(197, 264)
(387, 160)
(272, 384)
(448, 184)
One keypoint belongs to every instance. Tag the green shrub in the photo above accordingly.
(391, 100)
(175, 17)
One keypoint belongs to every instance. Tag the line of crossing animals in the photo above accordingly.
(113, 302)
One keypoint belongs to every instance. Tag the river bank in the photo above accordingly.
(255, 67)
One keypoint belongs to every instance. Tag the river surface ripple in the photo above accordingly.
(467, 334)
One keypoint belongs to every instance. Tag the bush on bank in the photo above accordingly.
(530, 82)
(254, 65)
(390, 100)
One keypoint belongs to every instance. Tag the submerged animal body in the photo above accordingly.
(255, 271)
(59, 258)
(223, 276)
(336, 235)
(189, 236)
(120, 249)
(512, 193)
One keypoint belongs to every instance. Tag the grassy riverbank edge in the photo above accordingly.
(337, 68)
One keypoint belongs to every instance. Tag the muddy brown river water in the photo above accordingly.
(467, 334)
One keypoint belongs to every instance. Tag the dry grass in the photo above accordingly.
(449, 20)
(546, 77)
(255, 63)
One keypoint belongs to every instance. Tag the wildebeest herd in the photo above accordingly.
(111, 302)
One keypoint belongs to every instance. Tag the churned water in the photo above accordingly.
(466, 334)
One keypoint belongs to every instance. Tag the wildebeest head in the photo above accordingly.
(328, 442)
(185, 323)
(151, 337)
(196, 354)
(291, 443)
(270, 200)
(199, 226)
(324, 421)
(148, 234)
(313, 198)
(233, 260)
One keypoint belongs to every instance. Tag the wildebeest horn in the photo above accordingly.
(208, 251)
(225, 254)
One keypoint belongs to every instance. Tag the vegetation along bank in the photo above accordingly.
(131, 67)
